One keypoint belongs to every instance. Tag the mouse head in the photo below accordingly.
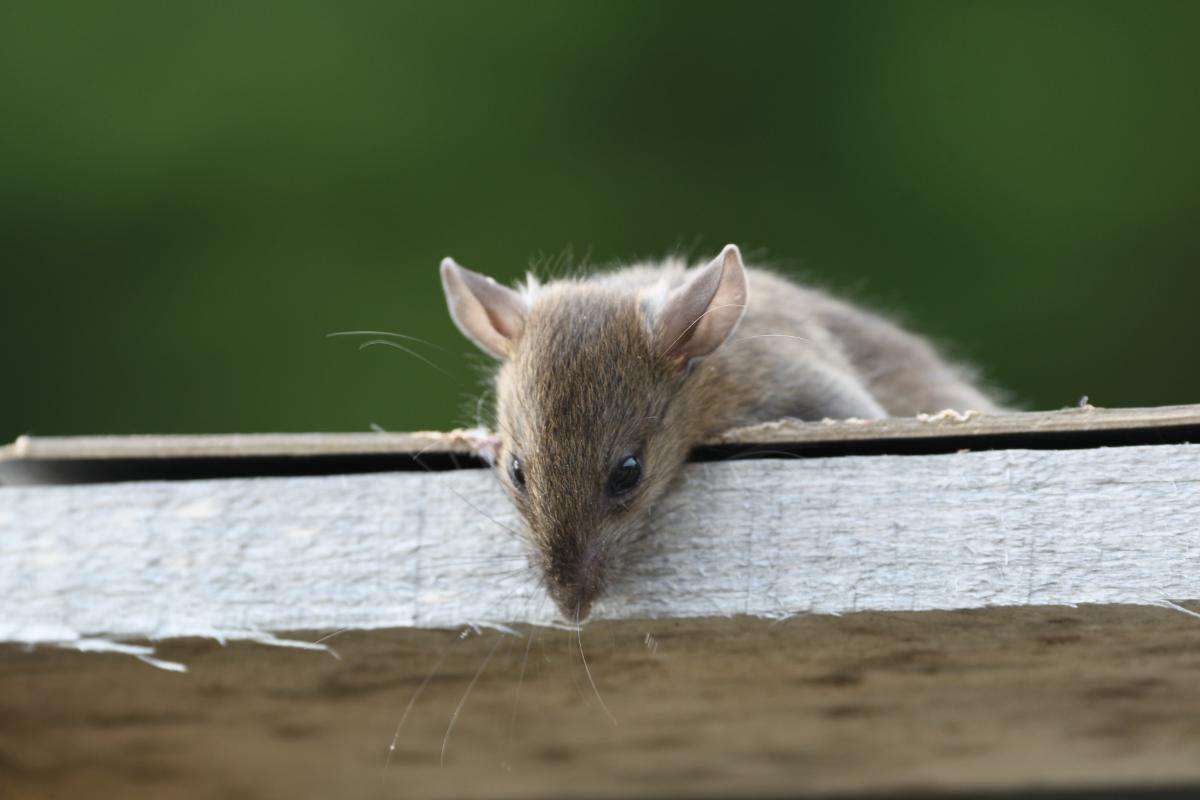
(593, 411)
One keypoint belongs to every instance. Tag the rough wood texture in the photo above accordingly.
(766, 537)
(1011, 699)
(967, 424)
(711, 698)
(235, 444)
(948, 423)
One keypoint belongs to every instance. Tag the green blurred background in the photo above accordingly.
(193, 196)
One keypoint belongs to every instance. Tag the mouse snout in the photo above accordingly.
(575, 581)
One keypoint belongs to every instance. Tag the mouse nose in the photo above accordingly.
(574, 584)
(573, 601)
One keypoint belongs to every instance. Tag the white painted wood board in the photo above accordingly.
(764, 537)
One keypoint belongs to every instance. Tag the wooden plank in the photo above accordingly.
(766, 537)
(102, 459)
(33, 460)
(866, 705)
(228, 445)
(973, 424)
(947, 423)
(720, 680)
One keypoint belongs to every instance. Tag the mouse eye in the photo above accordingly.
(626, 476)
(516, 473)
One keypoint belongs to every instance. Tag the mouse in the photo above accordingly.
(605, 382)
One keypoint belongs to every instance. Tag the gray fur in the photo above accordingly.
(594, 373)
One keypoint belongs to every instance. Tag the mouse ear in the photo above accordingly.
(490, 315)
(701, 314)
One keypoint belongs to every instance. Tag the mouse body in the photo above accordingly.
(606, 382)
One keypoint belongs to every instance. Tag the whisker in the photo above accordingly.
(506, 574)
(588, 670)
(569, 652)
(482, 560)
(512, 721)
(416, 694)
(758, 454)
(411, 352)
(472, 506)
(520, 536)
(386, 333)
(696, 320)
(770, 336)
(466, 694)
(521, 680)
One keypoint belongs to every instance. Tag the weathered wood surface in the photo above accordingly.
(881, 704)
(766, 537)
(236, 445)
(719, 681)
(1083, 419)
(947, 423)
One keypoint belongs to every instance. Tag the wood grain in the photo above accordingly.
(882, 705)
(717, 654)
(967, 424)
(763, 537)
